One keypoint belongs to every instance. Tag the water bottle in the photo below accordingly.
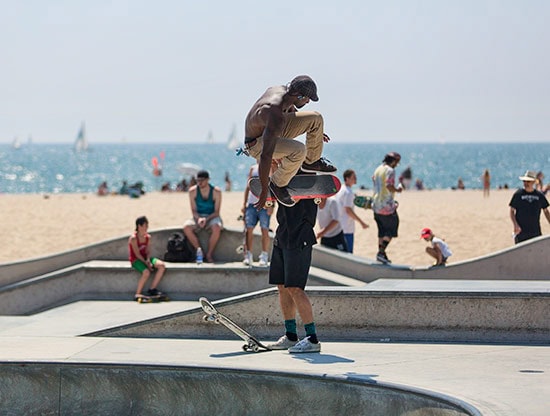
(199, 256)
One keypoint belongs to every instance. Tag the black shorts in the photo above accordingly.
(338, 242)
(290, 267)
(387, 224)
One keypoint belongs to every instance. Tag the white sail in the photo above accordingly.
(233, 141)
(16, 144)
(81, 143)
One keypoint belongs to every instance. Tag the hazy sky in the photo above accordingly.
(172, 70)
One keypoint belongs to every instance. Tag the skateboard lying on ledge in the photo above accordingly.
(302, 187)
(152, 299)
(212, 315)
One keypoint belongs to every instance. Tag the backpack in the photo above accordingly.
(178, 249)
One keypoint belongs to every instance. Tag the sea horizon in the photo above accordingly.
(57, 168)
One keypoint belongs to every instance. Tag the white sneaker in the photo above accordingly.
(305, 346)
(282, 344)
(248, 259)
(264, 258)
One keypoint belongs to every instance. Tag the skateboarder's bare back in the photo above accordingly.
(272, 124)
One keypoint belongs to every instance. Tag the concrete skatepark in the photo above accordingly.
(471, 338)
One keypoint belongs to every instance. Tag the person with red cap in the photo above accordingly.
(270, 127)
(384, 205)
(439, 250)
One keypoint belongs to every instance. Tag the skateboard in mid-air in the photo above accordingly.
(212, 315)
(362, 201)
(302, 187)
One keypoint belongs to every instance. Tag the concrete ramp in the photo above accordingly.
(396, 310)
(524, 261)
(103, 389)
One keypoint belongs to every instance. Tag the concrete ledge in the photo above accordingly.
(103, 389)
(524, 261)
(455, 311)
(116, 280)
(117, 249)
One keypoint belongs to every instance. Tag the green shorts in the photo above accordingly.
(141, 266)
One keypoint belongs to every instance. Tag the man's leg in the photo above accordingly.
(215, 230)
(292, 154)
(349, 242)
(311, 123)
(189, 232)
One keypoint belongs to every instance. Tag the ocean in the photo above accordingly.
(57, 168)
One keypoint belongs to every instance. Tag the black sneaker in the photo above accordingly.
(282, 195)
(382, 258)
(154, 292)
(323, 165)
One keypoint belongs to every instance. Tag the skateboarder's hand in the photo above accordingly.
(261, 200)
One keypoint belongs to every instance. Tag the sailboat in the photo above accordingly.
(16, 144)
(233, 141)
(81, 143)
(210, 138)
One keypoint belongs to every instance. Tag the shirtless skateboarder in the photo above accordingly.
(272, 124)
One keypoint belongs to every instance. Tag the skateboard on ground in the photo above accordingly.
(363, 201)
(212, 315)
(302, 187)
(152, 299)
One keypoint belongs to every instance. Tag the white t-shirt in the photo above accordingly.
(255, 171)
(345, 199)
(445, 251)
(330, 212)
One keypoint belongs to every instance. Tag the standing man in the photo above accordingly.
(251, 218)
(270, 127)
(206, 201)
(525, 208)
(348, 216)
(328, 218)
(290, 263)
(383, 204)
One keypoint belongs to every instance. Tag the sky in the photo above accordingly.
(175, 70)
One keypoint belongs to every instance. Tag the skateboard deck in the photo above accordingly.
(152, 299)
(302, 187)
(363, 201)
(212, 315)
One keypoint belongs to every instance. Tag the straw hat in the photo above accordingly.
(530, 176)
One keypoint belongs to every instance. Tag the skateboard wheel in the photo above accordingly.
(255, 348)
(245, 347)
(205, 318)
(317, 201)
(268, 204)
(217, 320)
(240, 249)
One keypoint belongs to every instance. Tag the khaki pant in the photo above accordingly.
(293, 153)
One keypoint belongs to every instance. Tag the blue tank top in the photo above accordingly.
(205, 206)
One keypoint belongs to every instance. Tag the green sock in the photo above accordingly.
(311, 332)
(290, 327)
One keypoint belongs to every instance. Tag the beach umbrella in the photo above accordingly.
(188, 169)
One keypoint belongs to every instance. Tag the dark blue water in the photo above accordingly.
(54, 168)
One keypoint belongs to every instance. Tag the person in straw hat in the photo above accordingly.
(525, 207)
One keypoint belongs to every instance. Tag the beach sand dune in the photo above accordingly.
(38, 225)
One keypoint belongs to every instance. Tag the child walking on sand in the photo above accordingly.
(139, 256)
(439, 250)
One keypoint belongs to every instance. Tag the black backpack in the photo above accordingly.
(178, 249)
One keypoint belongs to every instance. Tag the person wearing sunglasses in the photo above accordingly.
(271, 126)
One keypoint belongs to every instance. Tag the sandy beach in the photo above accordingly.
(39, 225)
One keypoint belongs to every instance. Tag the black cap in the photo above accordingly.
(304, 85)
(203, 174)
